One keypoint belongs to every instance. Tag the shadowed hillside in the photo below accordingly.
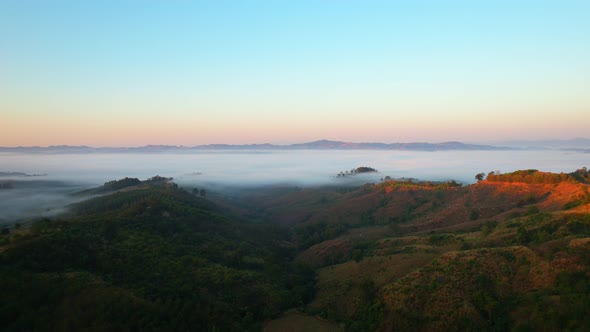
(152, 259)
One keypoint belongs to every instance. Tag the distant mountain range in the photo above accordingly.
(573, 144)
(577, 144)
(316, 145)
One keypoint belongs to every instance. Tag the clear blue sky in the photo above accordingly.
(193, 72)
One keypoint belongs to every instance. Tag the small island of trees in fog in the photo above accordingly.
(358, 170)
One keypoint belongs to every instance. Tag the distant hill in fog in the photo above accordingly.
(416, 146)
(316, 145)
(567, 144)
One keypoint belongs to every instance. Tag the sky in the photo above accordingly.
(137, 72)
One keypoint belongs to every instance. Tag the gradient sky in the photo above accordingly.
(126, 73)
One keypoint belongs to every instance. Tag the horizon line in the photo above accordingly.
(491, 144)
(240, 144)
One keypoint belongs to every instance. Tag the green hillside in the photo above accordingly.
(151, 259)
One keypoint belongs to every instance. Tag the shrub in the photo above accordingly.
(533, 209)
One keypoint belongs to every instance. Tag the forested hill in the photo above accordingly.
(156, 259)
(128, 183)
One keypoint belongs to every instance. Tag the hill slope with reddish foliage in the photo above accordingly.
(427, 256)
(416, 206)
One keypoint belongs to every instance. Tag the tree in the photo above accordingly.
(480, 176)
(522, 235)
(202, 192)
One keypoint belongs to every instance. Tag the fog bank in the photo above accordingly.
(254, 168)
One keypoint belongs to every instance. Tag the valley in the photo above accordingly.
(510, 252)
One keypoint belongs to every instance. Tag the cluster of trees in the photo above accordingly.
(533, 176)
(530, 176)
(358, 170)
(130, 182)
(413, 183)
(6, 185)
(480, 176)
(122, 183)
(154, 180)
(582, 175)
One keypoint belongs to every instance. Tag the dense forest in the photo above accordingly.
(151, 259)
(511, 252)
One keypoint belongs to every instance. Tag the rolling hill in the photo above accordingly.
(154, 258)
(370, 243)
(509, 252)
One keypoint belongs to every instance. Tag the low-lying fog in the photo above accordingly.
(35, 198)
(216, 169)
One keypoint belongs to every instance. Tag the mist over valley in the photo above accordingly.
(65, 174)
(335, 240)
